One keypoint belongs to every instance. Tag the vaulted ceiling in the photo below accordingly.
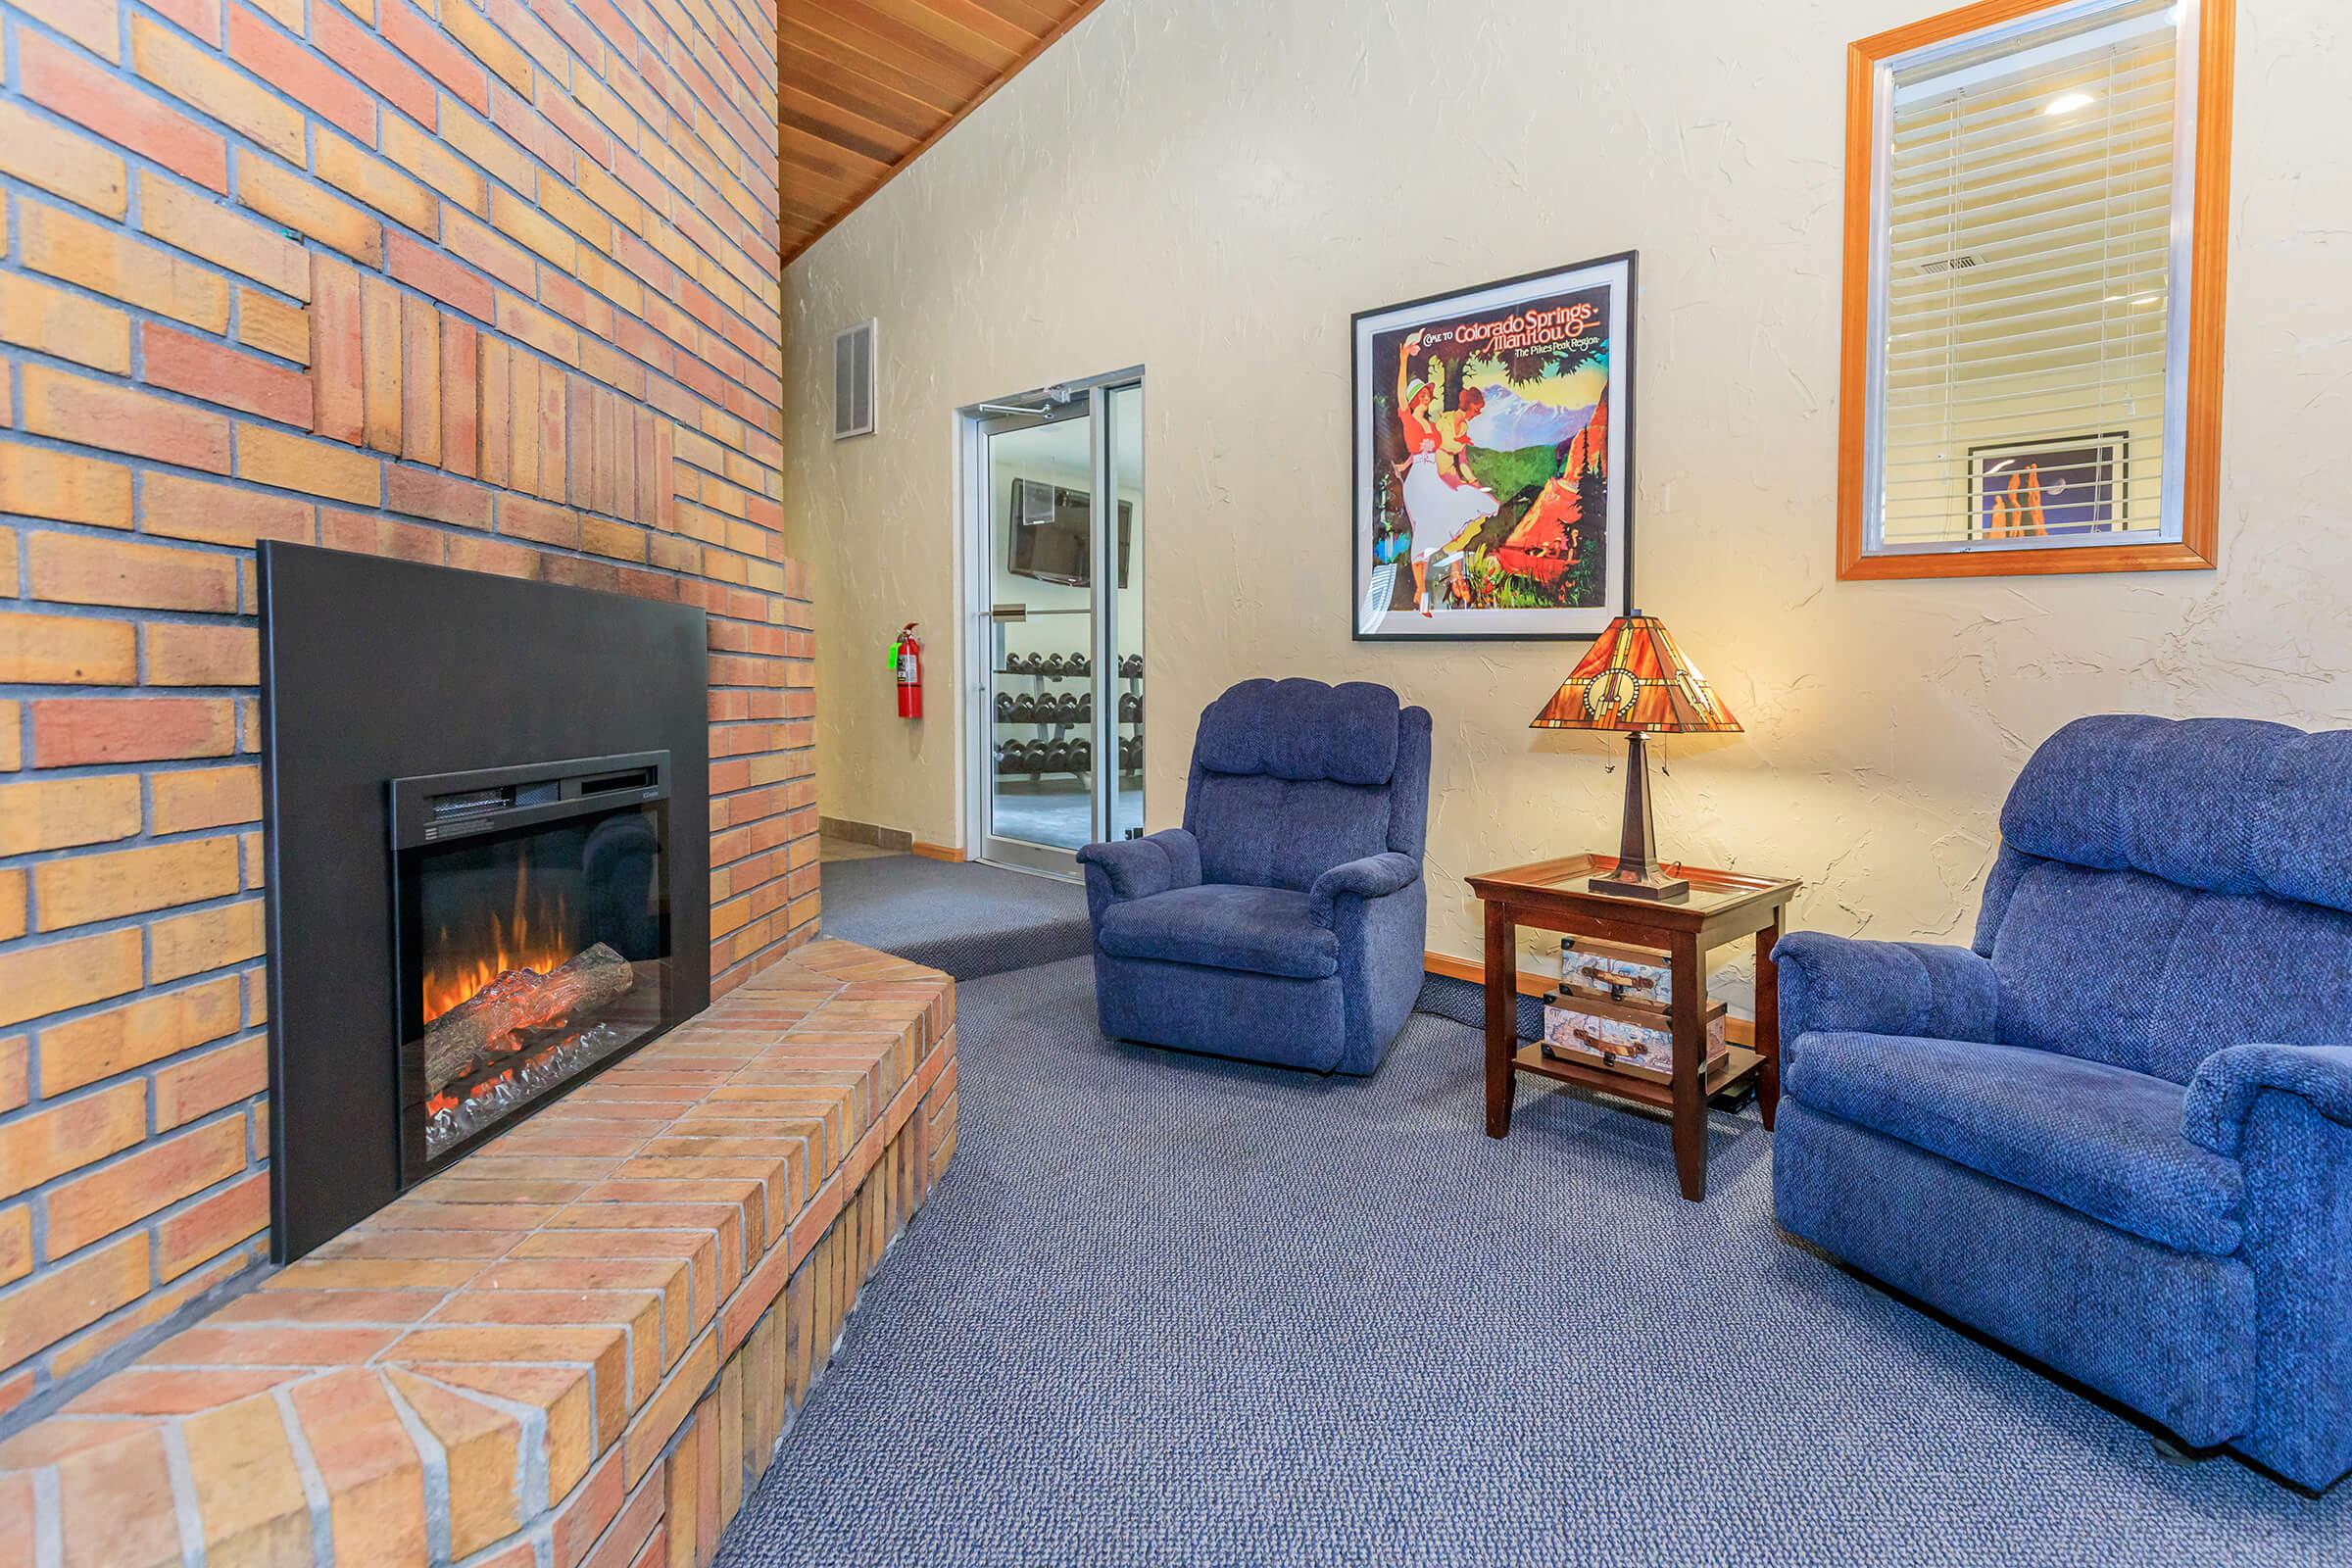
(868, 84)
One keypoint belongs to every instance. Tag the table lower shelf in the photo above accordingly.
(1739, 1066)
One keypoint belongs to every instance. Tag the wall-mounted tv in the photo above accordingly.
(1050, 540)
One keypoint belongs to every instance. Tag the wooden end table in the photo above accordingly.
(1723, 907)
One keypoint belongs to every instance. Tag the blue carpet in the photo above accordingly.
(1166, 1311)
(966, 919)
(1465, 1003)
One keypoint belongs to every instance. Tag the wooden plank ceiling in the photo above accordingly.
(868, 85)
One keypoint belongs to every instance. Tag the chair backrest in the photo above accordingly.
(1293, 777)
(2168, 888)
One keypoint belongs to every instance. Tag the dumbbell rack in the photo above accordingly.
(1061, 727)
(1134, 687)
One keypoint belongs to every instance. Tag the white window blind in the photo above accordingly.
(2027, 302)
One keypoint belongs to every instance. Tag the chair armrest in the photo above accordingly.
(1137, 868)
(1884, 987)
(2283, 1113)
(1375, 876)
(2222, 1095)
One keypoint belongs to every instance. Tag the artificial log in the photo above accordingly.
(486, 1022)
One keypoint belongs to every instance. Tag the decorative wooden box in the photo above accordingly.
(1627, 1037)
(1616, 971)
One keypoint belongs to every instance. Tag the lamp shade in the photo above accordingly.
(1635, 678)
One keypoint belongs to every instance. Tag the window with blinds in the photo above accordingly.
(2031, 195)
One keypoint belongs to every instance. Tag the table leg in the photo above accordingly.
(1502, 1016)
(1689, 1061)
(1768, 1022)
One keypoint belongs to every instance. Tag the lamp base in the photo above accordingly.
(1638, 875)
(1655, 888)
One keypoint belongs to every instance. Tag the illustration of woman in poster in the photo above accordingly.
(1453, 436)
(1440, 501)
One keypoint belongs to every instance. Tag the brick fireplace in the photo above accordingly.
(495, 292)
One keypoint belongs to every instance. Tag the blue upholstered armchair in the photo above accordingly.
(1284, 921)
(2116, 1132)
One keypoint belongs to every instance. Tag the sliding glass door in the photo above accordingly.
(1059, 502)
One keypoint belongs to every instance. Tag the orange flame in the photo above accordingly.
(514, 941)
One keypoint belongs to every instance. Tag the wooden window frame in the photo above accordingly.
(2208, 278)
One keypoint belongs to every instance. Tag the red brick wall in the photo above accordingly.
(491, 283)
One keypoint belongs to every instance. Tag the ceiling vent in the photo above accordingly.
(854, 381)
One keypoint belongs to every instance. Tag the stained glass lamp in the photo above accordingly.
(1637, 680)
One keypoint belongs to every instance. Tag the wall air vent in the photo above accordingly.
(853, 366)
(1946, 263)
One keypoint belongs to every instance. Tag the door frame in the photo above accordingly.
(974, 423)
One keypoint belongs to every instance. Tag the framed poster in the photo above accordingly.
(2040, 489)
(1494, 460)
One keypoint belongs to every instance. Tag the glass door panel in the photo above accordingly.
(1041, 699)
(1120, 697)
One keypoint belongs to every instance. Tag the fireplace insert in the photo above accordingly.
(533, 938)
(488, 817)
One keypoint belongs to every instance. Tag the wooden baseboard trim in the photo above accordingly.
(881, 837)
(936, 852)
(1530, 985)
(1740, 1031)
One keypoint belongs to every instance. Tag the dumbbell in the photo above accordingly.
(1025, 708)
(1056, 756)
(1003, 708)
(1080, 664)
(1086, 707)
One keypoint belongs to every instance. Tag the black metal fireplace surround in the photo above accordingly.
(488, 835)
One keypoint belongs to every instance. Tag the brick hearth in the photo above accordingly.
(577, 1345)
(491, 286)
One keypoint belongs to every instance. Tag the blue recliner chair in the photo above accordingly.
(1284, 921)
(2116, 1134)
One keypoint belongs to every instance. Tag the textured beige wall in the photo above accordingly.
(1210, 189)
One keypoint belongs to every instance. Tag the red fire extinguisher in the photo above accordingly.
(907, 664)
